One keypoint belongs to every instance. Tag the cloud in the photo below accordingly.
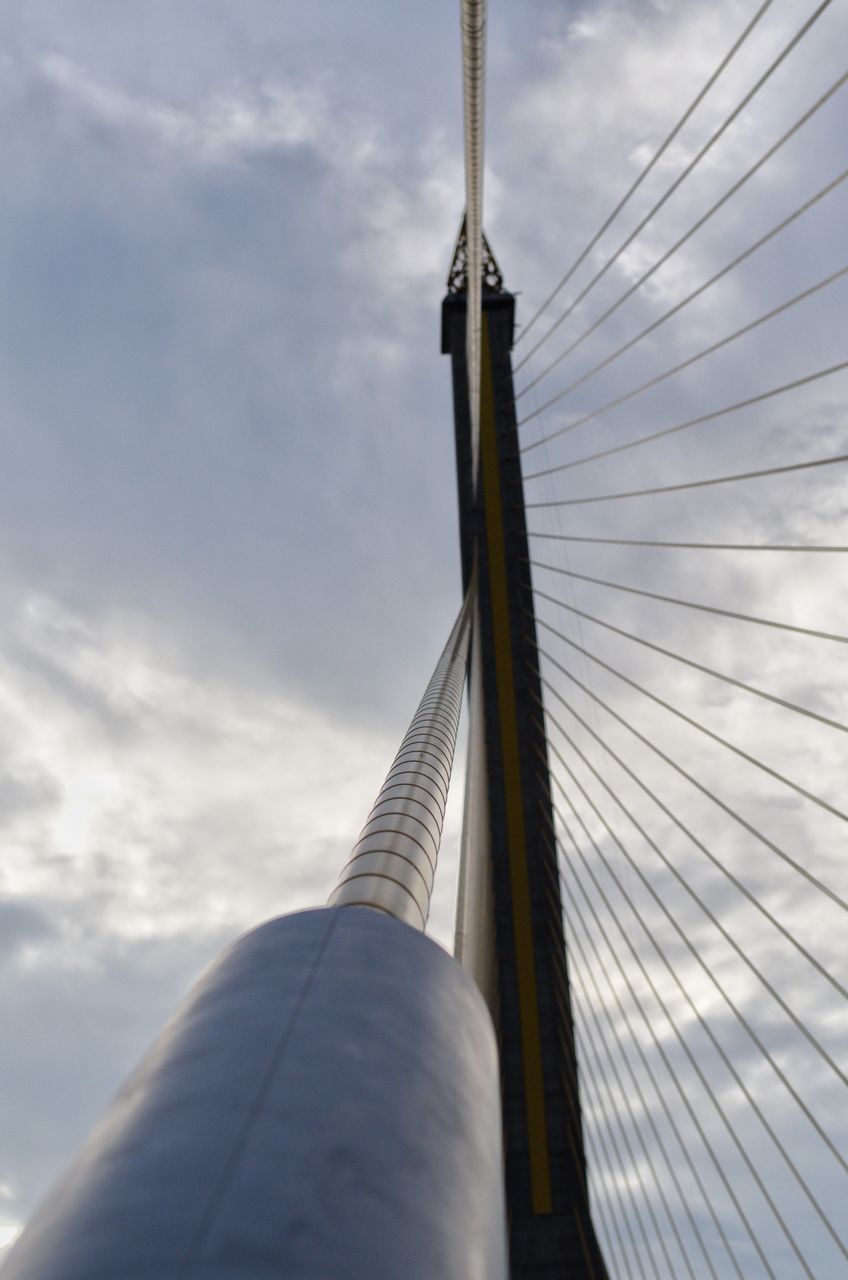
(177, 772)
(151, 812)
(277, 117)
(21, 924)
(192, 359)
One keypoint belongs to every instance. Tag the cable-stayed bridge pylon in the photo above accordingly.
(635, 1064)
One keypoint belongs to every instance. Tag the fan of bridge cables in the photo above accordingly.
(681, 396)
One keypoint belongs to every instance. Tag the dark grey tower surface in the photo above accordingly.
(525, 976)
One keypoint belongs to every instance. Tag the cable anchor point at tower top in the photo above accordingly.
(458, 274)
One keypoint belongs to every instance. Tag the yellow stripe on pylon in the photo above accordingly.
(531, 1048)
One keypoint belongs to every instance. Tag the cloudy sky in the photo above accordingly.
(227, 510)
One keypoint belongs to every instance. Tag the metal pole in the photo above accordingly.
(473, 18)
(394, 860)
(327, 1101)
(325, 1105)
(474, 940)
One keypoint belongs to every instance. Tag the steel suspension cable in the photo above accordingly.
(710, 1092)
(836, 460)
(702, 288)
(708, 972)
(708, 1147)
(692, 950)
(678, 657)
(682, 1041)
(591, 966)
(693, 163)
(649, 933)
(575, 942)
(689, 604)
(715, 737)
(683, 546)
(799, 1025)
(601, 1174)
(634, 186)
(710, 795)
(810, 292)
(596, 1163)
(696, 226)
(716, 862)
(600, 1208)
(769, 394)
(619, 1163)
(473, 20)
(597, 1213)
(632, 1163)
(716, 1044)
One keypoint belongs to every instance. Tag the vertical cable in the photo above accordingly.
(473, 18)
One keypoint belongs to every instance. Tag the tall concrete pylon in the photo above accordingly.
(509, 926)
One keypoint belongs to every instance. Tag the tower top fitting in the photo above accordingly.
(458, 274)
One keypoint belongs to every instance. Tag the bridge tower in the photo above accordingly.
(509, 915)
